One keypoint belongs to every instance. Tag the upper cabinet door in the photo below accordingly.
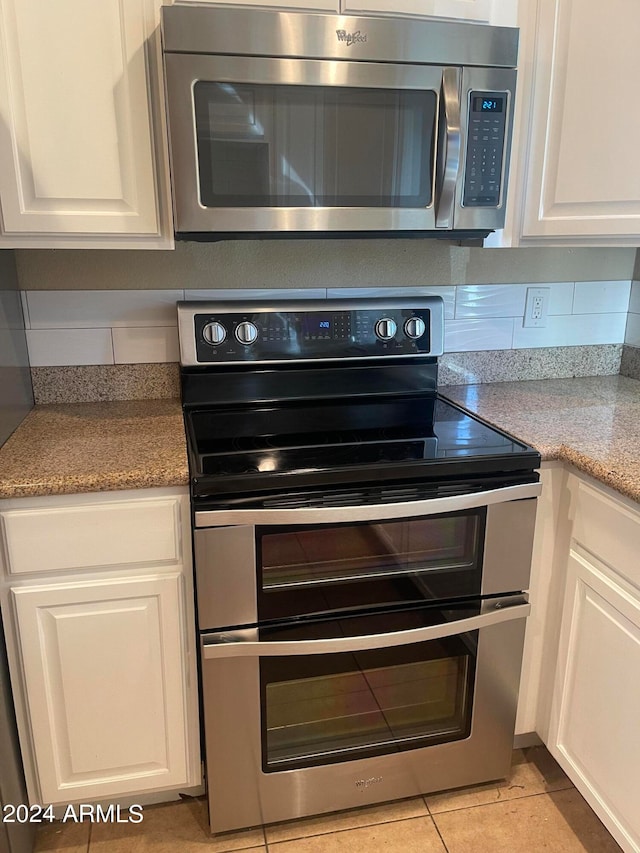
(503, 13)
(582, 183)
(303, 5)
(79, 156)
(468, 10)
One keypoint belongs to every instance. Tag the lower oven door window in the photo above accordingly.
(330, 708)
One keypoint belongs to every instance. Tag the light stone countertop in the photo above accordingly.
(90, 447)
(592, 423)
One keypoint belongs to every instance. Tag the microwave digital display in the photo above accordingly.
(487, 105)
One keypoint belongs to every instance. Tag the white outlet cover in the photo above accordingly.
(536, 307)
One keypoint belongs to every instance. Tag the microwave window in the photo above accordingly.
(306, 146)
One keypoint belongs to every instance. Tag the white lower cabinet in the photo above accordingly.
(104, 678)
(103, 660)
(593, 727)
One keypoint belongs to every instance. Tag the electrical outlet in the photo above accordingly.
(536, 308)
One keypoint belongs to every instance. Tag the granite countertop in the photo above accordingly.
(91, 447)
(592, 423)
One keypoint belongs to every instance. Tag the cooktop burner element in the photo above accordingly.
(344, 394)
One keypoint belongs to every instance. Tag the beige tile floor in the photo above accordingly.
(536, 809)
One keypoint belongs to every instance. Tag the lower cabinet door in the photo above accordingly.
(594, 725)
(104, 670)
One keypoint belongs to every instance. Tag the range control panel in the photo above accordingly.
(485, 149)
(221, 334)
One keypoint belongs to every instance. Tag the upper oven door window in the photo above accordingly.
(325, 568)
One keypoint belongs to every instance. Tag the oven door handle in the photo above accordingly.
(243, 643)
(374, 512)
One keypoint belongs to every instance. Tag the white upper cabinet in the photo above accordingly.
(502, 13)
(578, 141)
(294, 5)
(82, 154)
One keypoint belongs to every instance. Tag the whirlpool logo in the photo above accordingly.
(351, 38)
(363, 784)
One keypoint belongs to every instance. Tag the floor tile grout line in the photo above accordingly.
(349, 829)
(498, 801)
(268, 845)
(437, 829)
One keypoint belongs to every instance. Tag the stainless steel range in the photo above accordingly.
(362, 550)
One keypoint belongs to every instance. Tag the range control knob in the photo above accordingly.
(214, 333)
(386, 328)
(246, 333)
(414, 328)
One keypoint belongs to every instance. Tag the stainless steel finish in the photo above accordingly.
(451, 100)
(214, 333)
(235, 643)
(257, 32)
(294, 48)
(225, 560)
(386, 329)
(246, 333)
(184, 71)
(229, 597)
(414, 328)
(508, 544)
(378, 512)
(241, 795)
(188, 310)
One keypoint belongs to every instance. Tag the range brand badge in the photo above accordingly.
(351, 38)
(363, 784)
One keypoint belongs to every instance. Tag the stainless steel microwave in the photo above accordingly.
(299, 124)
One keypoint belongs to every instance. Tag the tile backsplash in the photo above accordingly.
(108, 327)
(632, 336)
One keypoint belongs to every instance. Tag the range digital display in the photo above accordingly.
(487, 105)
(317, 325)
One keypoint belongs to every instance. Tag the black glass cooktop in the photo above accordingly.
(313, 442)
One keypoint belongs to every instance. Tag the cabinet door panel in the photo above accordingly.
(104, 671)
(76, 143)
(304, 5)
(470, 10)
(595, 715)
(118, 534)
(581, 179)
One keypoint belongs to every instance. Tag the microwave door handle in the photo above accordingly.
(243, 643)
(451, 168)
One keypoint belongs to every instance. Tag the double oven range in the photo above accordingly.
(362, 551)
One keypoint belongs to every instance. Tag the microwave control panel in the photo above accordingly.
(485, 149)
